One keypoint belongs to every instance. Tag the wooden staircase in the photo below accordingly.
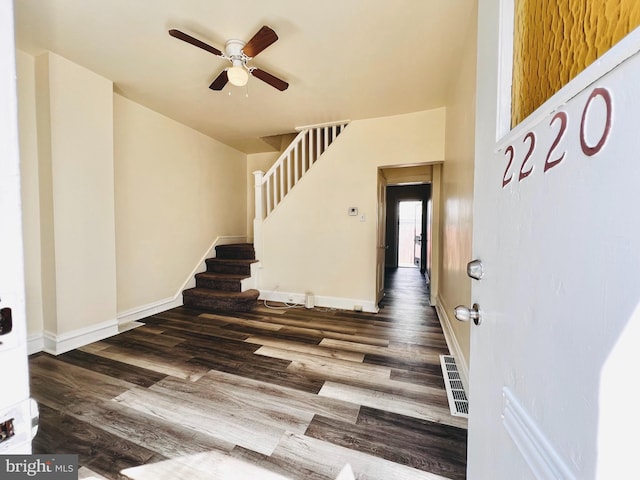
(219, 289)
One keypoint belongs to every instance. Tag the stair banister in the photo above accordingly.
(271, 187)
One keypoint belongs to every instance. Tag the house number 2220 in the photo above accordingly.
(554, 157)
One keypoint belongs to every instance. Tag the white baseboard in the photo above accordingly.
(452, 342)
(190, 281)
(138, 313)
(320, 300)
(144, 311)
(56, 344)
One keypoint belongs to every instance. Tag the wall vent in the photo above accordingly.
(458, 402)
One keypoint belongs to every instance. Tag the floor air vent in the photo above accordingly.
(458, 402)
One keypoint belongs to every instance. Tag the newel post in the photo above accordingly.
(259, 213)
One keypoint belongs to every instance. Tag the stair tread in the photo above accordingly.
(236, 251)
(207, 292)
(222, 276)
(241, 261)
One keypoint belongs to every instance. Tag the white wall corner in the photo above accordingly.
(35, 343)
(254, 280)
(338, 303)
(452, 342)
(57, 344)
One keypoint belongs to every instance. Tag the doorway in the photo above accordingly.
(408, 227)
(410, 233)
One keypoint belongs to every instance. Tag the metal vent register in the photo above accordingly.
(458, 402)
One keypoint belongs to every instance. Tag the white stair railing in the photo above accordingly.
(272, 187)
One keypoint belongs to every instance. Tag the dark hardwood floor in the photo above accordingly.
(271, 394)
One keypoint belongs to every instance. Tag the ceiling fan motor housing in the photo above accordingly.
(233, 50)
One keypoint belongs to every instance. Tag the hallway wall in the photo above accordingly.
(457, 189)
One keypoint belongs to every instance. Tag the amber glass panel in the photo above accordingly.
(557, 39)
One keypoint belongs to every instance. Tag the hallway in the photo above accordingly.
(272, 394)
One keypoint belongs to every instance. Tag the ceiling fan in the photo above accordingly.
(239, 54)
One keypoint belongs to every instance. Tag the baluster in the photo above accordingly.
(258, 177)
(303, 151)
(289, 180)
(281, 186)
(268, 184)
(292, 181)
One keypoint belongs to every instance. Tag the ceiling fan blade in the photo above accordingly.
(220, 81)
(275, 82)
(194, 41)
(260, 41)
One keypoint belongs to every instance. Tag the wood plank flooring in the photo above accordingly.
(271, 394)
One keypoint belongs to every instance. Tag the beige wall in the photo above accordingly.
(119, 203)
(75, 195)
(311, 244)
(457, 194)
(176, 190)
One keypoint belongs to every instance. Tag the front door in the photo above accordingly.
(15, 407)
(557, 228)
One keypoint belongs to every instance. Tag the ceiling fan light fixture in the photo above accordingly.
(238, 76)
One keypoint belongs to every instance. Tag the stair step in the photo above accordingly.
(215, 300)
(228, 282)
(219, 288)
(226, 265)
(236, 251)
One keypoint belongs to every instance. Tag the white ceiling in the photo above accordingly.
(343, 59)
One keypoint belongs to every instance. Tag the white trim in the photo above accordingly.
(623, 50)
(57, 344)
(452, 342)
(321, 125)
(153, 308)
(505, 67)
(168, 303)
(543, 459)
(320, 301)
(251, 282)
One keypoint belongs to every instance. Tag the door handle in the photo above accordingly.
(475, 269)
(464, 314)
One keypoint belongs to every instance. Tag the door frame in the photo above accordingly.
(408, 193)
(14, 401)
(413, 173)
